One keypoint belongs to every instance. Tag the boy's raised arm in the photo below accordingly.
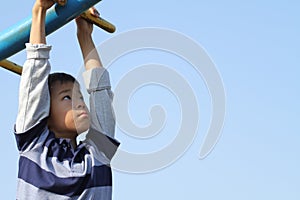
(96, 80)
(34, 100)
(87, 46)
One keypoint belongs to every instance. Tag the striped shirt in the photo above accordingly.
(49, 168)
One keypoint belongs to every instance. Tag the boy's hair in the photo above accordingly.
(61, 77)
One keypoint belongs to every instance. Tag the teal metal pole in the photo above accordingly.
(14, 38)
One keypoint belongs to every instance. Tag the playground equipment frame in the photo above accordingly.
(14, 38)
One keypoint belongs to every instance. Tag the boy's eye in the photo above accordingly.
(67, 97)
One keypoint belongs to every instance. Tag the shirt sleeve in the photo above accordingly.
(102, 129)
(34, 97)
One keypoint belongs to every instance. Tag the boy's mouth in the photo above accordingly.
(83, 114)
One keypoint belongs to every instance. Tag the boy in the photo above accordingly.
(52, 113)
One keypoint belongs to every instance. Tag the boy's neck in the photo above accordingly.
(73, 140)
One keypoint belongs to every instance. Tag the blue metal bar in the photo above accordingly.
(13, 39)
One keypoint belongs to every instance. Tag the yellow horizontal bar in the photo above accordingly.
(13, 67)
(98, 21)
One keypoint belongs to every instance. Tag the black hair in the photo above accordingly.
(61, 77)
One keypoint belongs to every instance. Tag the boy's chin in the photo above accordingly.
(82, 129)
(82, 126)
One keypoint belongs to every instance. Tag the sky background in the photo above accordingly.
(255, 47)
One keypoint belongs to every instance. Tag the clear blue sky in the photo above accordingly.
(255, 46)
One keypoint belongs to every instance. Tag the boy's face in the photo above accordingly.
(69, 115)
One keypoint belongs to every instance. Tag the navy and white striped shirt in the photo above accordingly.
(49, 168)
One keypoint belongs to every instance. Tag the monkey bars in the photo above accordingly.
(14, 38)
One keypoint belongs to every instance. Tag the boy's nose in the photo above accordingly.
(79, 104)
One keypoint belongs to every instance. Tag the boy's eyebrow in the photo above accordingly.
(68, 90)
(64, 91)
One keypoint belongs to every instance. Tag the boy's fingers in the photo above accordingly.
(60, 2)
(94, 12)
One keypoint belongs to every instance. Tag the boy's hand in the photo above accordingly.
(43, 4)
(85, 28)
(60, 2)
